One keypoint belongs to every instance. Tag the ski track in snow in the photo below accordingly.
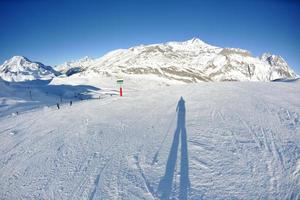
(242, 141)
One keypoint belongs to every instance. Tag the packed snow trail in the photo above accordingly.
(234, 141)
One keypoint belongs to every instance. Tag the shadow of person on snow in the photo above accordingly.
(165, 185)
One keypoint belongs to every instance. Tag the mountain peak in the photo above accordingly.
(17, 59)
(85, 58)
(195, 40)
(273, 60)
(19, 68)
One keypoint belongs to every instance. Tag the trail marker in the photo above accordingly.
(120, 83)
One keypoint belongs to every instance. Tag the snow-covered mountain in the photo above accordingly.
(72, 67)
(19, 68)
(189, 61)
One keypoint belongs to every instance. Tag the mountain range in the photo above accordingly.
(189, 61)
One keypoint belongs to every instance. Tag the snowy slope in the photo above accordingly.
(24, 96)
(21, 69)
(231, 140)
(188, 61)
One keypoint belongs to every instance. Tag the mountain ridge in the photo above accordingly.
(187, 61)
(193, 61)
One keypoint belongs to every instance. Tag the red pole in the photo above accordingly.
(121, 92)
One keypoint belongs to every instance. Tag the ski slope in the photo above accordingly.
(230, 140)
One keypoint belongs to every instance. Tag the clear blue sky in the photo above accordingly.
(56, 31)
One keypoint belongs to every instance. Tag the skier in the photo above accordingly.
(71, 103)
(30, 94)
(57, 105)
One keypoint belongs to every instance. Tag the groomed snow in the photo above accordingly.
(225, 141)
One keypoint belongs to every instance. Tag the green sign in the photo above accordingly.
(120, 81)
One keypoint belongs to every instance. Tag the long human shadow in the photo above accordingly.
(165, 185)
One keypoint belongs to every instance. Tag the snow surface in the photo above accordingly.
(230, 140)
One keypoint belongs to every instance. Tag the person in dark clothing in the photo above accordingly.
(30, 94)
(71, 103)
(57, 105)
